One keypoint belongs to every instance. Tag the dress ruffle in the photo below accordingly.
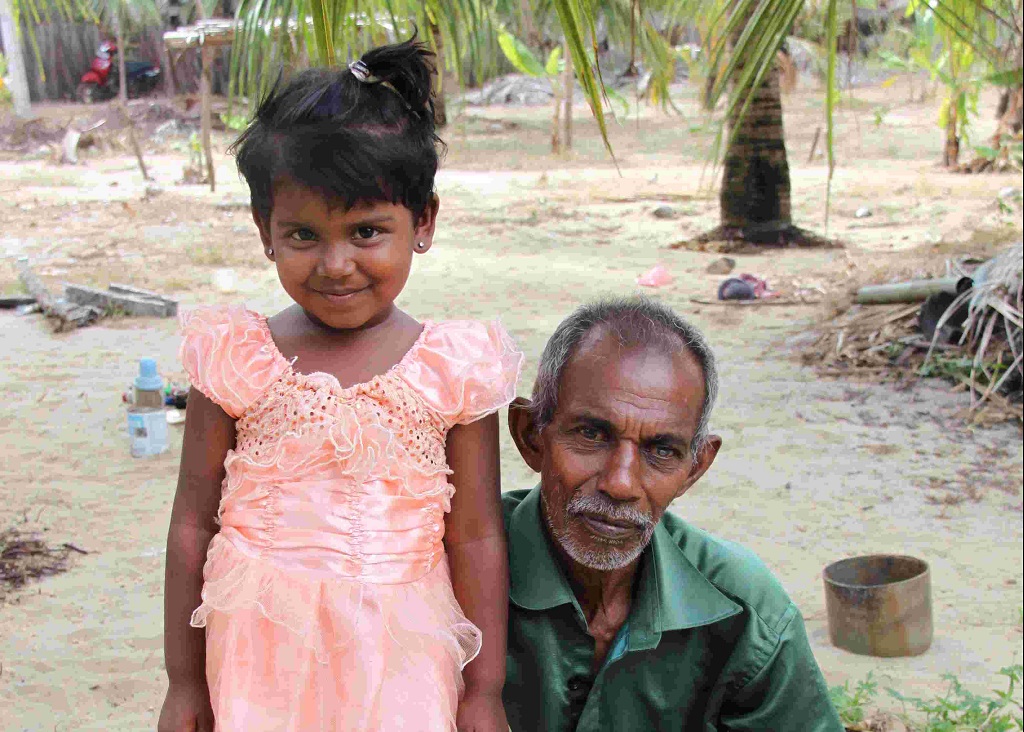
(465, 370)
(326, 614)
(227, 356)
(286, 654)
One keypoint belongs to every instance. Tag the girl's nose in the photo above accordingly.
(337, 262)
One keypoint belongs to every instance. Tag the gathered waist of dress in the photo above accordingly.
(314, 527)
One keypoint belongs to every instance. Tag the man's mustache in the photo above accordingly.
(599, 505)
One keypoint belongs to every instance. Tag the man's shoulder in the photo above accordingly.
(510, 500)
(735, 571)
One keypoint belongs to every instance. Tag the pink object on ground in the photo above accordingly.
(327, 600)
(656, 276)
(760, 286)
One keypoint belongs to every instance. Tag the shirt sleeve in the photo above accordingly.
(787, 692)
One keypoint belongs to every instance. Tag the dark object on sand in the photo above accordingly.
(736, 289)
(16, 301)
(933, 311)
(879, 605)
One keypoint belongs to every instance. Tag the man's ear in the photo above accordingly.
(701, 462)
(525, 433)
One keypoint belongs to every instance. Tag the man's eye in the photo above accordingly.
(366, 232)
(303, 235)
(664, 452)
(590, 433)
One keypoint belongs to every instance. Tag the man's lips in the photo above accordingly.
(607, 527)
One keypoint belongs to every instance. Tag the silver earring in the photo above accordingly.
(421, 245)
(270, 251)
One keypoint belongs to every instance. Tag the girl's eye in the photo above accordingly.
(365, 232)
(303, 235)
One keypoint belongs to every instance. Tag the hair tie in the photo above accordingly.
(359, 70)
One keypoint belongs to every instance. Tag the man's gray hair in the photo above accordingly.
(634, 321)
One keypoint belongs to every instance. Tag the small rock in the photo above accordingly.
(862, 213)
(721, 266)
(152, 191)
(665, 212)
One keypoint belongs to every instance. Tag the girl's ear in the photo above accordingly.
(423, 236)
(264, 229)
(525, 433)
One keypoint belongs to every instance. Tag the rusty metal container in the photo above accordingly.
(879, 605)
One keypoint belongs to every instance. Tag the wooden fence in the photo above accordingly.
(66, 49)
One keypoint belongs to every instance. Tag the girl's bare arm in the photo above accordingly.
(209, 434)
(475, 544)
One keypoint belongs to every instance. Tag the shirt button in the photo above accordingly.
(578, 685)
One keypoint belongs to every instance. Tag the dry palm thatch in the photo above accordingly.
(993, 329)
(25, 556)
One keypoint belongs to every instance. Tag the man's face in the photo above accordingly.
(617, 451)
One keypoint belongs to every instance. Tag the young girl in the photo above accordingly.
(348, 454)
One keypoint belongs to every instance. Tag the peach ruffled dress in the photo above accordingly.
(327, 599)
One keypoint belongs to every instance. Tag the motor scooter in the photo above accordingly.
(101, 80)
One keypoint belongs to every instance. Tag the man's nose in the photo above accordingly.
(337, 262)
(621, 477)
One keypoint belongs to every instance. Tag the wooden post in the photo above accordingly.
(64, 314)
(133, 139)
(122, 71)
(204, 94)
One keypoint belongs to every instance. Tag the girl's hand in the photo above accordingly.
(186, 709)
(482, 712)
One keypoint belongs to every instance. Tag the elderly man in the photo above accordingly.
(624, 618)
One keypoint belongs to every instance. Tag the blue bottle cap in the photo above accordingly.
(148, 379)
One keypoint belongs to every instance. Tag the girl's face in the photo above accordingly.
(344, 267)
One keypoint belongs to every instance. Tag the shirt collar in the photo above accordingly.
(672, 594)
(536, 580)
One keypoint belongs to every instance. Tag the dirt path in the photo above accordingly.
(811, 471)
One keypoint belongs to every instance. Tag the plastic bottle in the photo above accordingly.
(147, 423)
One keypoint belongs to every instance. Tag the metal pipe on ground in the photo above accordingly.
(913, 291)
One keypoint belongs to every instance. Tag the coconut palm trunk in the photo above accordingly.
(754, 201)
(15, 61)
(440, 96)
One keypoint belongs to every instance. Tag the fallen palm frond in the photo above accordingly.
(994, 325)
(866, 340)
(25, 556)
(885, 342)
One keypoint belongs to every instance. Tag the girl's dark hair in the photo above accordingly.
(350, 139)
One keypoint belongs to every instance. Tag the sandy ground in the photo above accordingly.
(812, 470)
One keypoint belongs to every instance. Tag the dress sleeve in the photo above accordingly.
(466, 370)
(229, 356)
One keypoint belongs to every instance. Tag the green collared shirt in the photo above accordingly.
(712, 642)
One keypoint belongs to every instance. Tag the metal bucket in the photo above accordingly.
(879, 605)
